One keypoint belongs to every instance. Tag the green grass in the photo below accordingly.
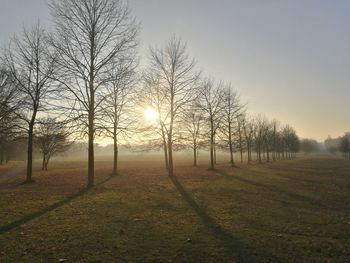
(288, 211)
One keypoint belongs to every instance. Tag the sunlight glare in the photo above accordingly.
(150, 115)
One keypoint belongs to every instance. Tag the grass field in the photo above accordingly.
(288, 211)
(9, 166)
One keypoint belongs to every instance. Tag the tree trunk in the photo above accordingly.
(241, 151)
(115, 157)
(115, 151)
(274, 143)
(166, 159)
(170, 155)
(170, 134)
(195, 154)
(1, 156)
(231, 156)
(91, 125)
(91, 157)
(47, 163)
(240, 141)
(215, 152)
(259, 154)
(249, 152)
(30, 153)
(230, 145)
(165, 147)
(44, 161)
(212, 165)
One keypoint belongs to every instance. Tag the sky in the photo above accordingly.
(288, 59)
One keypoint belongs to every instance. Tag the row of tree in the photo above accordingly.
(201, 112)
(82, 78)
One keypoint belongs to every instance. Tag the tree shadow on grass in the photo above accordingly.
(231, 243)
(29, 217)
(273, 188)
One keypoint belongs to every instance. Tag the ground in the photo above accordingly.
(288, 211)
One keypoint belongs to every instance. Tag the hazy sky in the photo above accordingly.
(289, 60)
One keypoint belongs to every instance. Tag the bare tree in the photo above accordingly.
(31, 62)
(211, 103)
(117, 107)
(8, 119)
(192, 126)
(232, 108)
(52, 138)
(175, 73)
(151, 97)
(248, 131)
(90, 36)
(241, 141)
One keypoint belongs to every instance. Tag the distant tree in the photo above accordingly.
(210, 101)
(275, 138)
(31, 63)
(241, 141)
(332, 144)
(290, 142)
(344, 146)
(293, 144)
(174, 72)
(308, 146)
(259, 124)
(248, 132)
(52, 138)
(268, 140)
(90, 37)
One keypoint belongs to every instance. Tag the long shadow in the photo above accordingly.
(231, 243)
(272, 188)
(29, 217)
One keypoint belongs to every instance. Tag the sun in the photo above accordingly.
(150, 115)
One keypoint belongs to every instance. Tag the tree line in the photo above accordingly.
(83, 80)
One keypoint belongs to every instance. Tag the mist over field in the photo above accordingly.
(174, 131)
